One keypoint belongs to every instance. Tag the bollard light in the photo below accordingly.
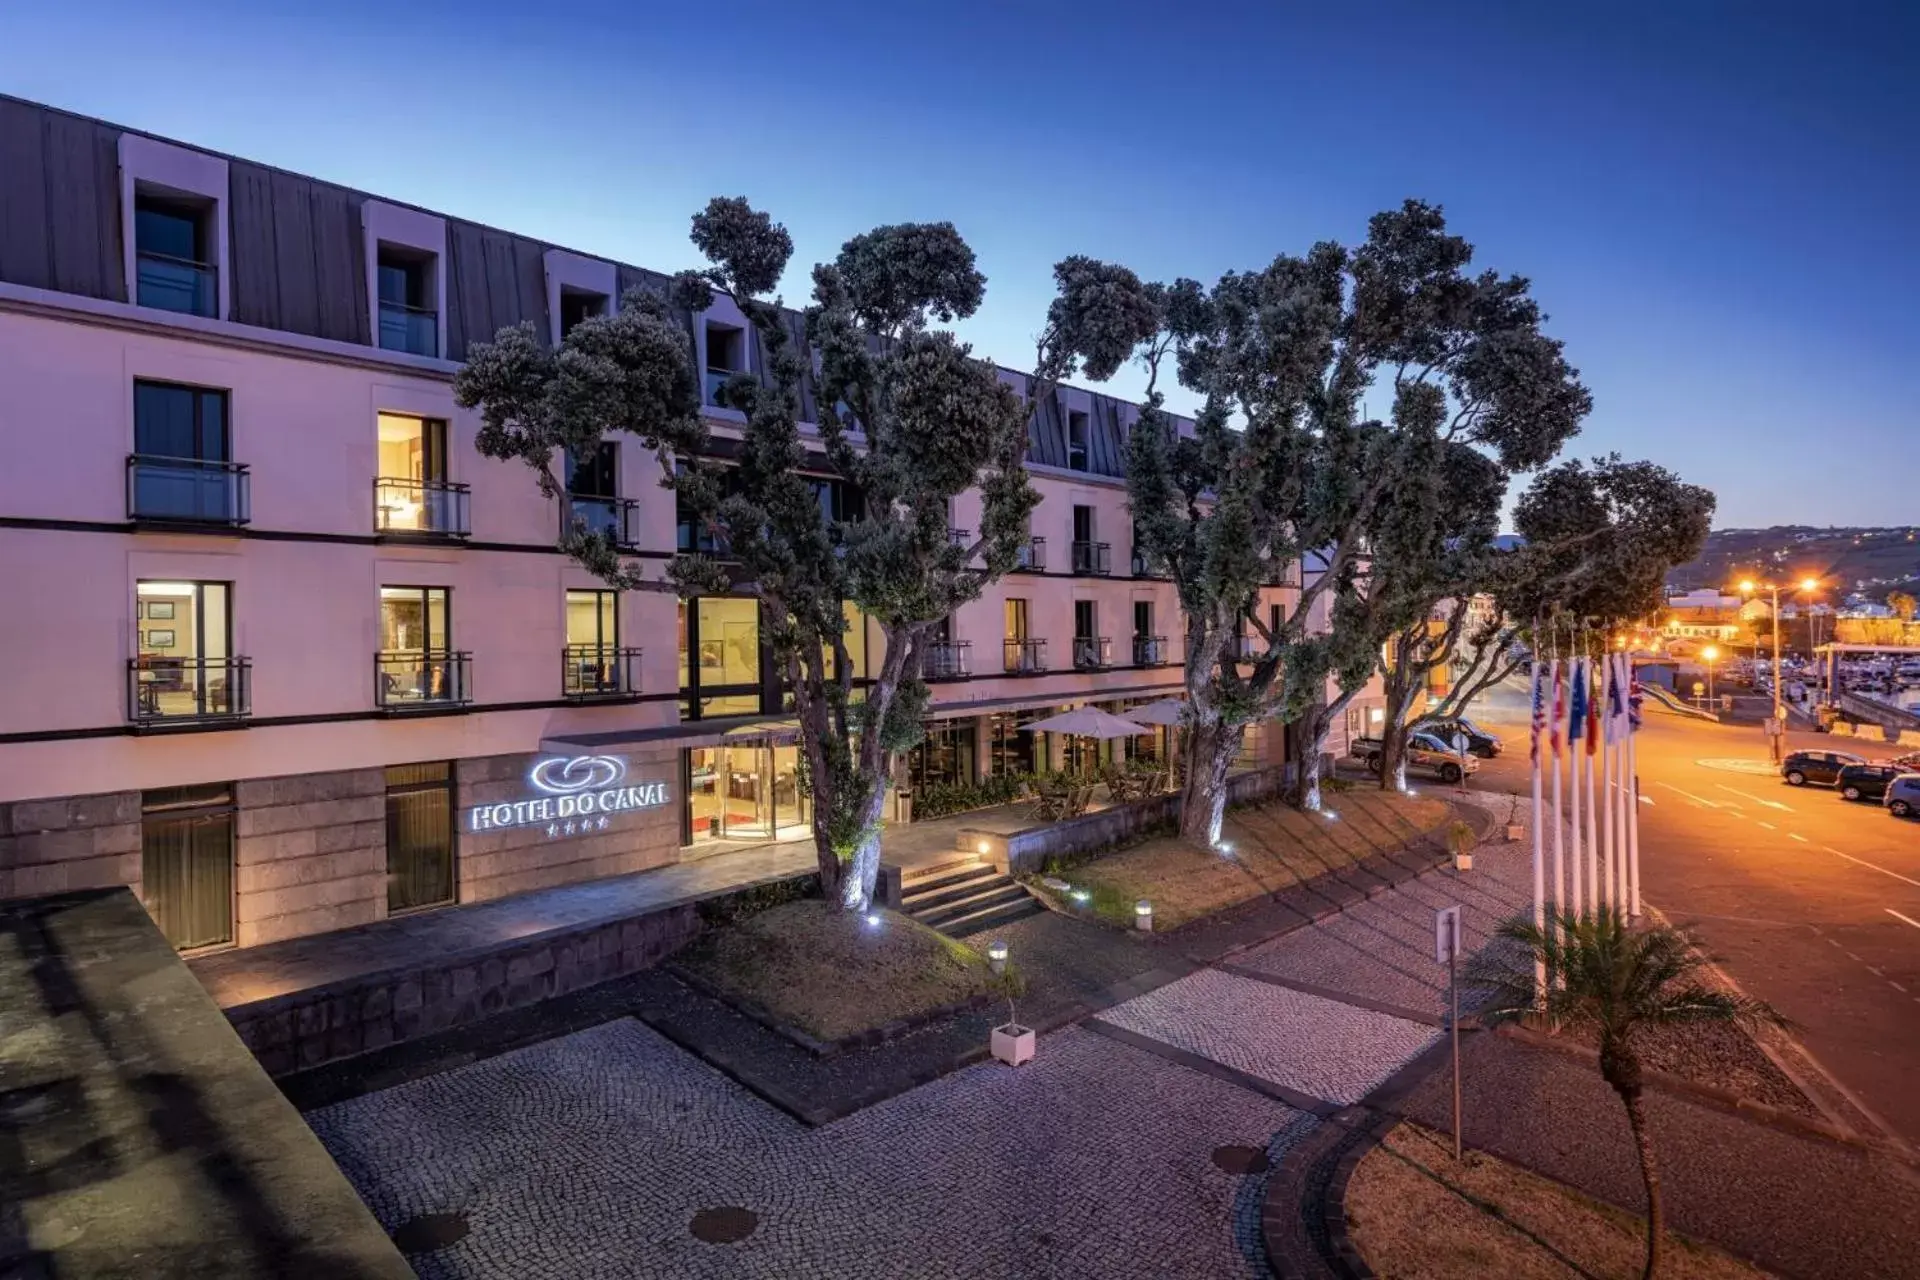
(983, 846)
(873, 919)
(1143, 915)
(997, 956)
(1080, 896)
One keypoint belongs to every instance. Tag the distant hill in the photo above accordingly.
(1871, 561)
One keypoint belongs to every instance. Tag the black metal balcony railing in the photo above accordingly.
(1149, 651)
(188, 490)
(1146, 566)
(176, 284)
(1287, 575)
(615, 517)
(162, 690)
(1092, 653)
(1093, 557)
(1026, 656)
(415, 330)
(422, 508)
(959, 537)
(599, 671)
(416, 679)
(948, 660)
(1033, 556)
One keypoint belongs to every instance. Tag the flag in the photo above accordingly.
(1579, 710)
(1617, 718)
(1593, 709)
(1559, 708)
(1539, 711)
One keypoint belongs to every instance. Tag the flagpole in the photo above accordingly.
(1593, 841)
(1559, 855)
(1633, 789)
(1539, 906)
(1574, 745)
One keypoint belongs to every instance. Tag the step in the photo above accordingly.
(991, 918)
(942, 892)
(946, 865)
(946, 876)
(999, 894)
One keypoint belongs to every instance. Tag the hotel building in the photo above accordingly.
(287, 655)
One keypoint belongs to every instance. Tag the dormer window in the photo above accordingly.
(1076, 441)
(173, 255)
(409, 320)
(726, 355)
(577, 305)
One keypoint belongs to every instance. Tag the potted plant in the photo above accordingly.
(1010, 1042)
(1460, 844)
(1515, 831)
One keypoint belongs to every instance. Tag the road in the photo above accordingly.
(1811, 903)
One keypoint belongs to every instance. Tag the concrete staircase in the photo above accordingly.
(964, 894)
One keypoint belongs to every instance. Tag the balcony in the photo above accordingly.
(414, 330)
(421, 680)
(176, 284)
(959, 537)
(1093, 558)
(187, 491)
(1092, 653)
(1287, 575)
(947, 660)
(187, 691)
(1146, 566)
(1150, 651)
(1033, 556)
(597, 672)
(420, 508)
(1026, 657)
(617, 518)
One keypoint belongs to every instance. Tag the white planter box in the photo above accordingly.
(1012, 1043)
(1463, 862)
(1515, 832)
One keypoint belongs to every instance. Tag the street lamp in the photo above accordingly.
(1808, 586)
(1748, 588)
(1710, 653)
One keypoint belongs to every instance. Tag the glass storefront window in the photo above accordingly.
(419, 836)
(729, 641)
(1010, 749)
(749, 791)
(186, 863)
(945, 757)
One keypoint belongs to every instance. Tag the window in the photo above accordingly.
(593, 502)
(1083, 619)
(416, 664)
(1023, 654)
(1082, 524)
(1143, 617)
(720, 667)
(726, 356)
(1089, 556)
(409, 317)
(577, 305)
(173, 258)
(1090, 648)
(1010, 747)
(184, 667)
(182, 466)
(420, 858)
(1076, 440)
(593, 619)
(945, 757)
(1016, 619)
(410, 492)
(699, 535)
(186, 863)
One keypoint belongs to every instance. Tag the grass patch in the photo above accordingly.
(830, 974)
(1414, 1214)
(1273, 846)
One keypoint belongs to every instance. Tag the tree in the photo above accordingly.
(908, 419)
(1903, 605)
(1280, 467)
(1612, 981)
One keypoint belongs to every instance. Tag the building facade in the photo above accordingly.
(288, 655)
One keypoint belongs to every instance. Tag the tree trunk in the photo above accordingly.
(1621, 1068)
(1203, 801)
(862, 871)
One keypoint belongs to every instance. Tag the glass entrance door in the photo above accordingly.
(186, 863)
(747, 791)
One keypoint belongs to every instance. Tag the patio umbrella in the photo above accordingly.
(1167, 711)
(1088, 722)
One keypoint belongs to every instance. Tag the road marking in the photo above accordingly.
(1711, 804)
(1863, 862)
(1768, 825)
(1909, 919)
(1771, 804)
(1797, 836)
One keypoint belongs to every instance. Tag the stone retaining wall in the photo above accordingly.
(323, 1024)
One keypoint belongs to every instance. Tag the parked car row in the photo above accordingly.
(1426, 753)
(1894, 783)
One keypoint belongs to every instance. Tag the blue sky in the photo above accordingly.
(1714, 200)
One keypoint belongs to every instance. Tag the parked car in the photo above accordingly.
(1823, 767)
(1866, 781)
(1909, 761)
(1479, 741)
(1903, 796)
(1424, 752)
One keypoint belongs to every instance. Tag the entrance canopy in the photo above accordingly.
(1088, 722)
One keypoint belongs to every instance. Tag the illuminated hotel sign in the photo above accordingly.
(575, 794)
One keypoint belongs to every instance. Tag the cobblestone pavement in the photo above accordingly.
(1323, 1048)
(586, 1158)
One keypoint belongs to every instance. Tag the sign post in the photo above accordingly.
(1446, 950)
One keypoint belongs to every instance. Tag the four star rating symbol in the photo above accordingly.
(584, 825)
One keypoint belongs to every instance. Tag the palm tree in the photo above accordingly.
(1608, 978)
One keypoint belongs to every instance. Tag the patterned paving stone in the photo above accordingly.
(1322, 1048)
(588, 1157)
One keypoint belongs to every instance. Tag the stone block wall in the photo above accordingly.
(324, 1024)
(72, 842)
(310, 854)
(494, 864)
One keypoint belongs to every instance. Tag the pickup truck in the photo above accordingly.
(1424, 752)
